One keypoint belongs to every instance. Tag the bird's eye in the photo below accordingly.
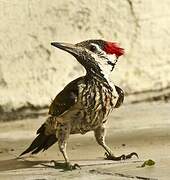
(93, 48)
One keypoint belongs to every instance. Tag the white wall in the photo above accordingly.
(33, 72)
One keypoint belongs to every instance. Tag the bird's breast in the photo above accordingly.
(95, 101)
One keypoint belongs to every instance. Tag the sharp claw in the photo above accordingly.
(76, 166)
(122, 157)
(132, 154)
(55, 163)
(72, 167)
(106, 154)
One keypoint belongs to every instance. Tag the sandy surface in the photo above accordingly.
(144, 128)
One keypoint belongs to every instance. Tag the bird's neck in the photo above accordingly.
(100, 77)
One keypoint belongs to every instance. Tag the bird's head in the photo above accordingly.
(97, 56)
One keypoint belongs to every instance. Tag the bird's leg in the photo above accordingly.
(63, 135)
(100, 138)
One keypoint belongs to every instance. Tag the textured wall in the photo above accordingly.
(32, 72)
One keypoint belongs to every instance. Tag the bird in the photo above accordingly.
(85, 103)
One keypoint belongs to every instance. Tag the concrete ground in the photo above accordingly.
(143, 128)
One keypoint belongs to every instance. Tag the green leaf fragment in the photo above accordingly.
(149, 162)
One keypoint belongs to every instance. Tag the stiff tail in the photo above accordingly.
(41, 142)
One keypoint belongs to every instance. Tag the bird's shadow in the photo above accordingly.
(17, 163)
(21, 163)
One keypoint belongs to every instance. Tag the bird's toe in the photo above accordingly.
(71, 167)
(122, 157)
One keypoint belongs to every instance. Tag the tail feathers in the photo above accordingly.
(41, 129)
(41, 142)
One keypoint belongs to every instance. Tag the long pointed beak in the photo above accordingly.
(70, 48)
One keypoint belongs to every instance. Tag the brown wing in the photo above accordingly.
(120, 98)
(62, 102)
(65, 99)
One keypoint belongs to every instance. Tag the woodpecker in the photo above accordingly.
(85, 103)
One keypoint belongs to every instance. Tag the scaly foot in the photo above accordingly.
(72, 167)
(122, 157)
(66, 166)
